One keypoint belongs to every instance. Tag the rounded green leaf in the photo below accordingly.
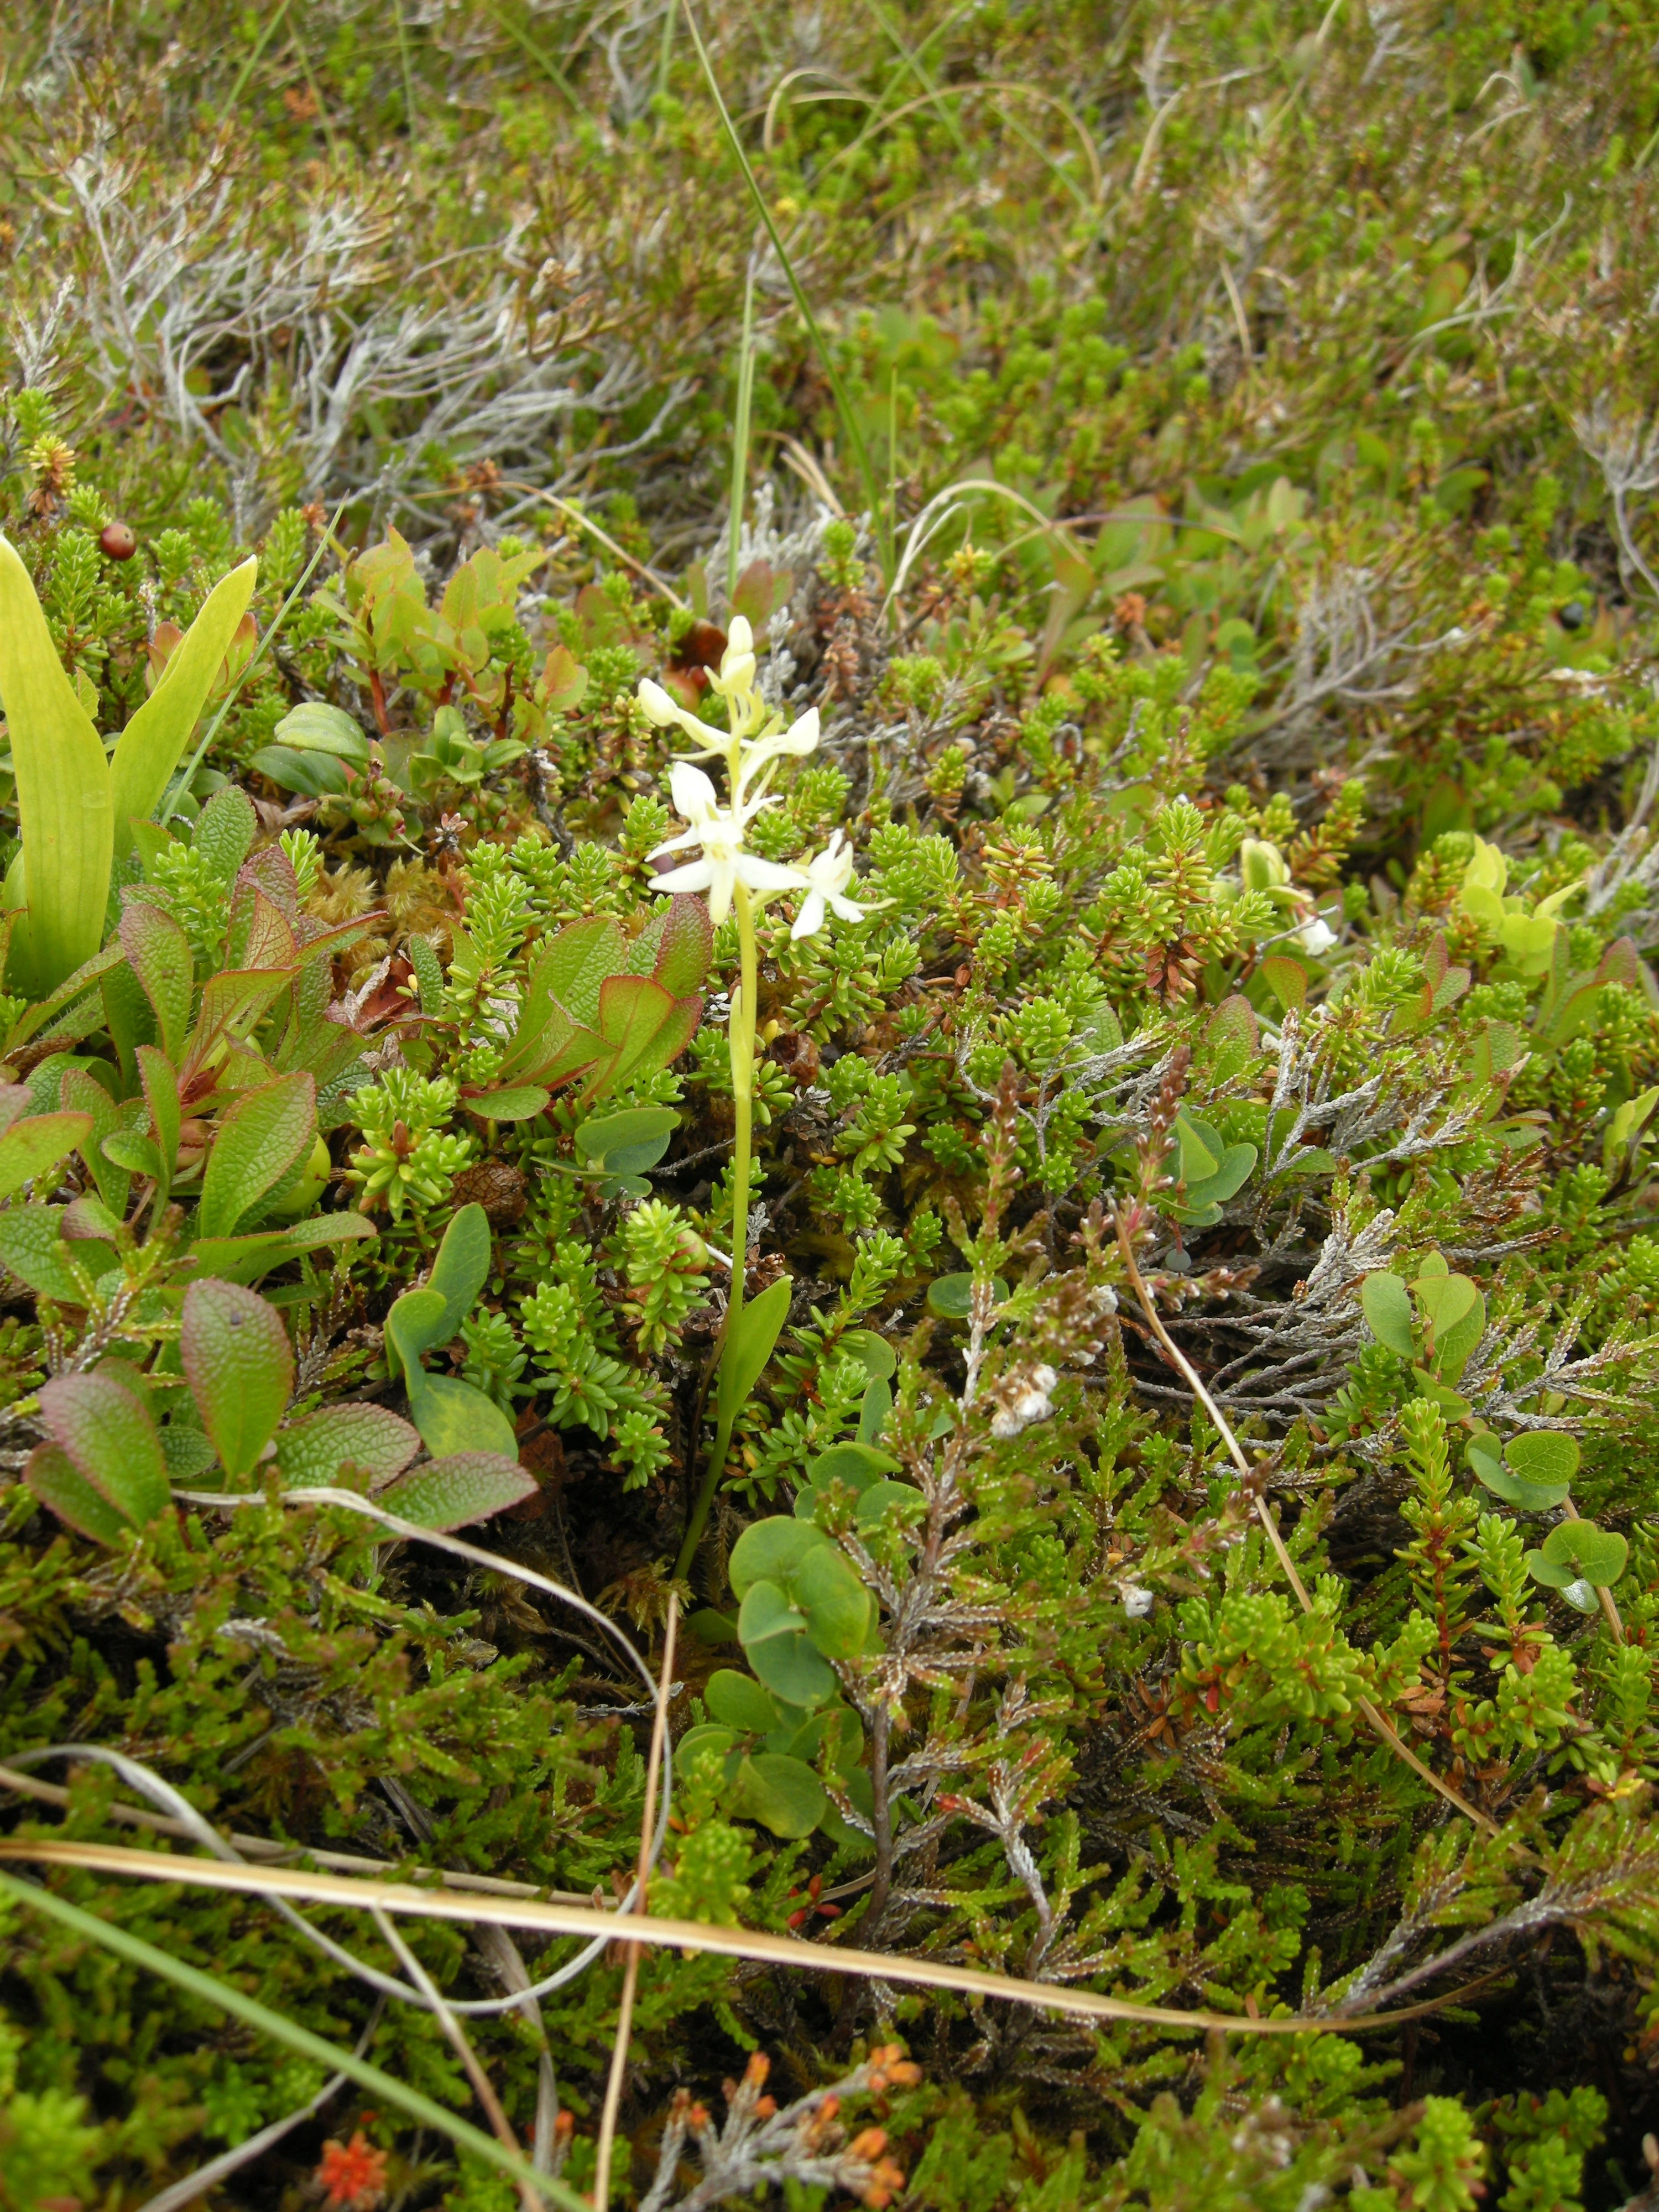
(880, 1360)
(767, 1614)
(1387, 1306)
(460, 1271)
(855, 1464)
(781, 1793)
(740, 1702)
(1596, 1555)
(792, 1671)
(769, 1550)
(1526, 1497)
(1543, 1456)
(827, 1589)
(895, 1502)
(240, 1366)
(111, 1441)
(414, 1324)
(625, 1143)
(950, 1297)
(314, 726)
(721, 1740)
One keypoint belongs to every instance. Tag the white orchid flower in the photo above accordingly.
(736, 679)
(758, 758)
(827, 877)
(720, 832)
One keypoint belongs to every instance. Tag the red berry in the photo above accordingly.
(118, 541)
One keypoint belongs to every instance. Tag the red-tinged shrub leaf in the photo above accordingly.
(56, 1480)
(30, 1147)
(368, 1437)
(113, 1442)
(576, 962)
(453, 1417)
(160, 958)
(240, 1366)
(467, 1487)
(261, 1137)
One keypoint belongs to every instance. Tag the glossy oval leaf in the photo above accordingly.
(1387, 1306)
(626, 1142)
(826, 1587)
(950, 1297)
(897, 1502)
(453, 1417)
(780, 1793)
(1596, 1555)
(740, 1701)
(413, 1326)
(461, 1269)
(792, 1670)
(879, 1360)
(239, 1366)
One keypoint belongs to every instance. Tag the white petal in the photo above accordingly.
(846, 908)
(721, 874)
(675, 844)
(1317, 937)
(809, 920)
(658, 707)
(694, 796)
(694, 876)
(767, 875)
(739, 638)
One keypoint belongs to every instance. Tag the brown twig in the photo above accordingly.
(613, 2088)
(1179, 1360)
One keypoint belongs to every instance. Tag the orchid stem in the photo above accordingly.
(740, 1038)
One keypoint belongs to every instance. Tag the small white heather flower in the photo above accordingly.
(720, 832)
(1026, 1401)
(828, 876)
(1137, 1601)
(1318, 936)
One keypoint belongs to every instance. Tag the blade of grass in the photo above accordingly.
(62, 791)
(148, 749)
(272, 27)
(568, 508)
(316, 91)
(169, 806)
(740, 431)
(402, 60)
(223, 1998)
(843, 405)
(504, 22)
(721, 1943)
(613, 2088)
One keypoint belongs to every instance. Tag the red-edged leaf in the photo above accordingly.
(261, 1137)
(240, 1366)
(160, 958)
(452, 1493)
(314, 1449)
(113, 1442)
(56, 1480)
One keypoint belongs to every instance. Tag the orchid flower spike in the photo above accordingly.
(827, 877)
(720, 832)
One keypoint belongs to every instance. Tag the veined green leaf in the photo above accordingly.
(261, 1137)
(112, 1440)
(453, 1492)
(62, 792)
(31, 1146)
(453, 1417)
(154, 741)
(240, 1366)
